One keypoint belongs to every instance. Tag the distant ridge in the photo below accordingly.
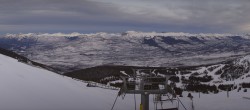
(73, 51)
(25, 60)
(128, 33)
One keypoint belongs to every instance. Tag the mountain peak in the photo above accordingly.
(128, 33)
(244, 61)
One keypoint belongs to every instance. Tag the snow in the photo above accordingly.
(176, 34)
(244, 61)
(124, 73)
(22, 35)
(23, 87)
(235, 101)
(216, 78)
(220, 101)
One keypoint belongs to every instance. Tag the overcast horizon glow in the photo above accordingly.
(89, 16)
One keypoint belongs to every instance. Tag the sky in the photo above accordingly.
(90, 16)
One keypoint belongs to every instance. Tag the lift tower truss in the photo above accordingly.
(145, 84)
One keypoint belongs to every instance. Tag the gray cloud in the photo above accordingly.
(195, 16)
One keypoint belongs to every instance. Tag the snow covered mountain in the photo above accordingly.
(234, 72)
(25, 87)
(208, 83)
(69, 52)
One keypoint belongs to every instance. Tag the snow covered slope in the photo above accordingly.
(77, 51)
(23, 87)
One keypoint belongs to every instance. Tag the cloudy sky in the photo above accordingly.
(87, 16)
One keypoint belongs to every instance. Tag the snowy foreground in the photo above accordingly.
(219, 101)
(23, 87)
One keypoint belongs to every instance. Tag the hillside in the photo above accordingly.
(206, 78)
(24, 87)
(25, 60)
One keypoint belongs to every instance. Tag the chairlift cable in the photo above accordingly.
(161, 101)
(171, 100)
(154, 100)
(134, 92)
(135, 100)
(181, 103)
(115, 102)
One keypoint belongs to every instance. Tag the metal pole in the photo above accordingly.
(145, 101)
(227, 93)
(199, 94)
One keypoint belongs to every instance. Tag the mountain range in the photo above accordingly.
(69, 52)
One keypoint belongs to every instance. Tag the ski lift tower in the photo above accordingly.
(145, 84)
